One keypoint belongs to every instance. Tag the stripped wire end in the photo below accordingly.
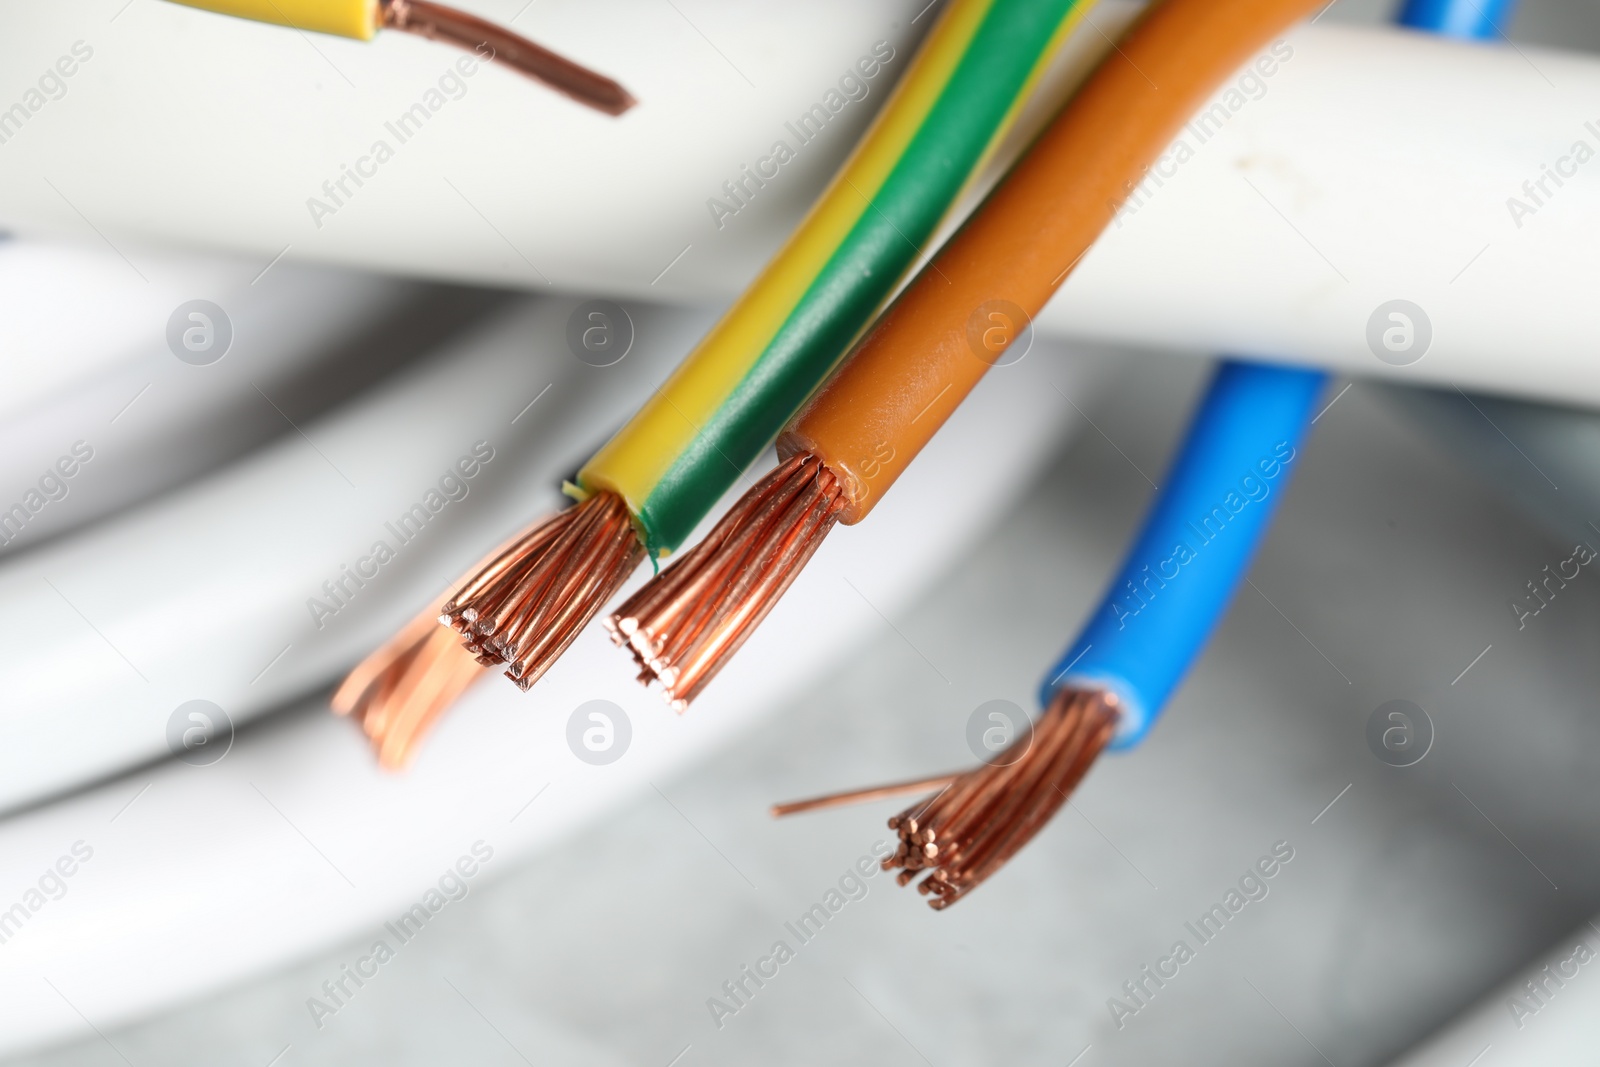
(398, 692)
(969, 829)
(529, 603)
(979, 819)
(439, 23)
(687, 622)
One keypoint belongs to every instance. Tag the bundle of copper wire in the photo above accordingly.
(685, 625)
(529, 603)
(397, 692)
(979, 819)
(970, 828)
(936, 341)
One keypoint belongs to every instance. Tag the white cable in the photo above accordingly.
(89, 357)
(71, 310)
(1375, 165)
(1542, 1016)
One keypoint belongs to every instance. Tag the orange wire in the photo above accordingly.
(928, 350)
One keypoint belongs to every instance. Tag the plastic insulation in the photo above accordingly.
(732, 395)
(1201, 532)
(343, 18)
(1480, 20)
(928, 351)
(1220, 495)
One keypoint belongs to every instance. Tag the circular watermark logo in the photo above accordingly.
(999, 333)
(999, 732)
(598, 732)
(1399, 332)
(199, 733)
(1399, 733)
(599, 332)
(199, 332)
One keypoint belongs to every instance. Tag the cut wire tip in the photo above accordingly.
(397, 692)
(977, 820)
(524, 607)
(439, 23)
(688, 621)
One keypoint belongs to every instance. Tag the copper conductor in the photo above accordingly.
(686, 623)
(398, 691)
(862, 796)
(527, 605)
(968, 830)
(439, 23)
(981, 818)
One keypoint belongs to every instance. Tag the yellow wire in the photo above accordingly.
(635, 459)
(346, 18)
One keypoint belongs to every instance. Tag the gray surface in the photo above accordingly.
(1389, 570)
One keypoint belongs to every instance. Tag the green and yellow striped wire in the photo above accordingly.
(729, 399)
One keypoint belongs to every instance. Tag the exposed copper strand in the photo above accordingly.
(958, 837)
(862, 796)
(530, 603)
(685, 625)
(399, 690)
(440, 23)
(658, 617)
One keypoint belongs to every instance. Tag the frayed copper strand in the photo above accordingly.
(440, 23)
(981, 818)
(524, 608)
(686, 624)
(416, 683)
(399, 691)
(862, 796)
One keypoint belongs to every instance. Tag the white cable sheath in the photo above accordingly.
(1371, 165)
(70, 310)
(1542, 1016)
(83, 344)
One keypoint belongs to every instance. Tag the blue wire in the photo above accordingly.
(1475, 20)
(1203, 528)
(1196, 542)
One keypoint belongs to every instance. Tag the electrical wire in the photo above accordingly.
(1196, 543)
(754, 370)
(1166, 599)
(933, 345)
(397, 692)
(648, 487)
(1155, 617)
(361, 19)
